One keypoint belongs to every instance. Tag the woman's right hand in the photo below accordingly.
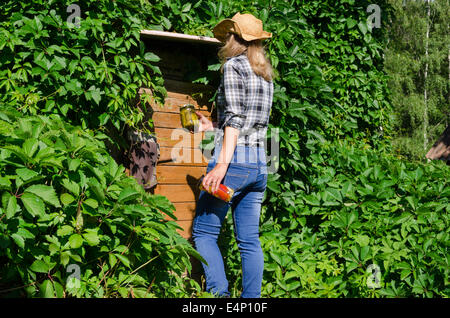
(204, 123)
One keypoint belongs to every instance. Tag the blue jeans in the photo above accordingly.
(247, 176)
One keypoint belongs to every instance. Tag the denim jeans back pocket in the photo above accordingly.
(236, 177)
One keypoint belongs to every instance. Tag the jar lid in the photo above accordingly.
(187, 106)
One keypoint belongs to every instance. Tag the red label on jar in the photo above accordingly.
(223, 192)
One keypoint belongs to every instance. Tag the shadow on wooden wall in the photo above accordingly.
(181, 162)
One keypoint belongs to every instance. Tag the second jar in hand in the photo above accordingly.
(223, 192)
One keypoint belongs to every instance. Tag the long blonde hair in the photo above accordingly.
(256, 55)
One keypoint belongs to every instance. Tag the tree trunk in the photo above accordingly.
(425, 112)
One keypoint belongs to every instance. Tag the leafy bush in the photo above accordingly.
(333, 209)
(359, 208)
(65, 202)
(89, 74)
(331, 82)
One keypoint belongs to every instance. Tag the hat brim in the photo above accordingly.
(264, 35)
(223, 27)
(229, 26)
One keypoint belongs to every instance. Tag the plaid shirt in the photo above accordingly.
(243, 101)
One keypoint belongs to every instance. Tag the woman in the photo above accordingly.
(244, 100)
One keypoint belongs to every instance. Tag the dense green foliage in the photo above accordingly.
(65, 201)
(330, 210)
(338, 203)
(89, 74)
(358, 208)
(331, 81)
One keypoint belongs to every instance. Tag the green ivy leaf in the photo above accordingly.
(66, 198)
(74, 164)
(127, 194)
(30, 146)
(214, 67)
(5, 184)
(91, 202)
(65, 258)
(96, 96)
(46, 289)
(59, 290)
(311, 199)
(64, 230)
(61, 61)
(151, 57)
(24, 233)
(91, 237)
(125, 261)
(75, 241)
(351, 23)
(33, 204)
(71, 186)
(11, 208)
(334, 193)
(46, 193)
(412, 201)
(112, 260)
(28, 175)
(39, 266)
(186, 7)
(362, 27)
(18, 240)
(97, 189)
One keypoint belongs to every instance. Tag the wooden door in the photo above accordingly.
(183, 58)
(181, 161)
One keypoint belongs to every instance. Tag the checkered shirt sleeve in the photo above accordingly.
(244, 101)
(234, 91)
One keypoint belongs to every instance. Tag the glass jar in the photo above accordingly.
(189, 119)
(223, 192)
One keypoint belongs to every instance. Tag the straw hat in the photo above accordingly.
(246, 26)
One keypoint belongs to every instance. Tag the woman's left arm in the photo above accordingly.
(216, 175)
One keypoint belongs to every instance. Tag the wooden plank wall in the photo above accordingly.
(181, 63)
(177, 180)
